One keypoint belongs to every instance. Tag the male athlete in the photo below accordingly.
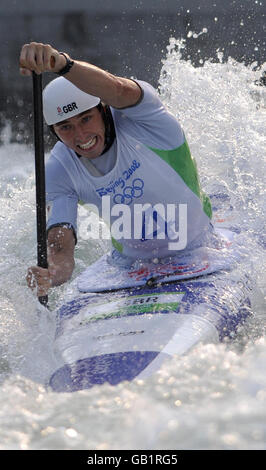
(116, 140)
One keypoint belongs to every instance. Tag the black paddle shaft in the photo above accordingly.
(39, 176)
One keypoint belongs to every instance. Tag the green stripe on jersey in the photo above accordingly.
(181, 161)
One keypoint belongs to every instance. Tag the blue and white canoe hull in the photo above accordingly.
(128, 334)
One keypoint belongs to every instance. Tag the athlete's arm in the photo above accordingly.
(115, 91)
(61, 244)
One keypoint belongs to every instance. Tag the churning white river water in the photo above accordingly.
(212, 398)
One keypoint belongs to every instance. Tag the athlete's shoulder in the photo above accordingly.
(58, 165)
(150, 121)
(146, 86)
(149, 95)
(60, 155)
(59, 150)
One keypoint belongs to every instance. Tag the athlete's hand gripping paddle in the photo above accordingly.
(39, 177)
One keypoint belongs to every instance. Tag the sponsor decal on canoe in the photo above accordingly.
(143, 274)
(165, 302)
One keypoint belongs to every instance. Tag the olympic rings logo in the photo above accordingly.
(130, 192)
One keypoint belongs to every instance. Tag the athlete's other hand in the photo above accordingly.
(40, 58)
(39, 278)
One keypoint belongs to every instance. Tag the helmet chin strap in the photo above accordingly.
(108, 124)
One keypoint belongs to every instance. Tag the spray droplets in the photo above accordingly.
(196, 35)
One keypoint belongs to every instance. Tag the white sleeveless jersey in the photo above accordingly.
(153, 182)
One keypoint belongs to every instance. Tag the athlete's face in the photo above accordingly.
(84, 133)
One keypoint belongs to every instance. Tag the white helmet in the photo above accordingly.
(62, 100)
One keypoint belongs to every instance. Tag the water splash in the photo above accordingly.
(224, 127)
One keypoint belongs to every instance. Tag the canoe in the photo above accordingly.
(122, 324)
